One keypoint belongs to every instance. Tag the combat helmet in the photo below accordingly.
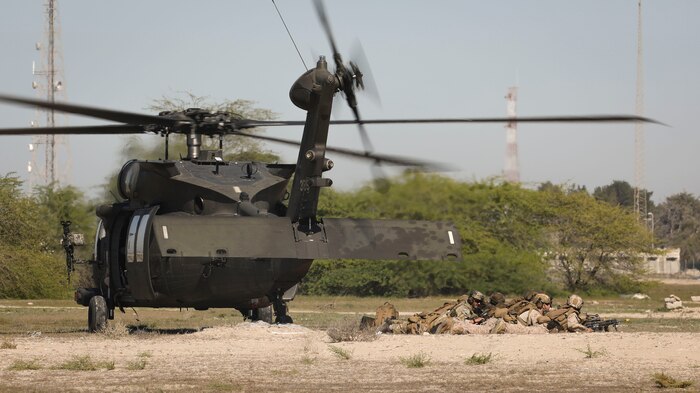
(541, 299)
(575, 301)
(529, 295)
(476, 295)
(497, 298)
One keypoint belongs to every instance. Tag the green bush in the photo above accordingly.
(32, 264)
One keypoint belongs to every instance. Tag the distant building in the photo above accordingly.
(668, 261)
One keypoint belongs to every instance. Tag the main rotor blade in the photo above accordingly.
(106, 114)
(384, 158)
(78, 130)
(533, 119)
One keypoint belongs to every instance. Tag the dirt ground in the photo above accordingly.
(251, 357)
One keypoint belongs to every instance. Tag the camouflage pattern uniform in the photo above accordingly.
(535, 315)
(567, 319)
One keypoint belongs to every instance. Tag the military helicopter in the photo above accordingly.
(203, 232)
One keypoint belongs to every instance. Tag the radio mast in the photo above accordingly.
(512, 167)
(640, 192)
(51, 87)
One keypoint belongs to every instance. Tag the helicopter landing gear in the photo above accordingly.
(281, 315)
(262, 314)
(97, 314)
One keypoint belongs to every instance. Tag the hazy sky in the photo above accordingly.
(429, 59)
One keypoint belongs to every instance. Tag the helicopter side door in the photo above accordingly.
(137, 268)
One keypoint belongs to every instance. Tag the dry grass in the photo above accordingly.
(85, 363)
(340, 353)
(20, 365)
(664, 381)
(8, 345)
(417, 360)
(138, 364)
(478, 359)
(115, 329)
(590, 353)
(307, 360)
(349, 330)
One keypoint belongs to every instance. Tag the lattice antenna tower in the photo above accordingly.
(51, 87)
(511, 171)
(640, 193)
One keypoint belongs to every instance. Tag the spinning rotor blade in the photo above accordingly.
(349, 79)
(78, 130)
(369, 86)
(382, 158)
(323, 17)
(533, 119)
(106, 114)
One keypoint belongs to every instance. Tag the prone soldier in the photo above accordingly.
(567, 318)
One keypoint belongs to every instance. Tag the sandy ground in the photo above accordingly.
(259, 357)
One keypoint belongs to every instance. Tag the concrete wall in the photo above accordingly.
(668, 262)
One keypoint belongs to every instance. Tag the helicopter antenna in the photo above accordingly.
(290, 35)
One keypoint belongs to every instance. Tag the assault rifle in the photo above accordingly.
(597, 324)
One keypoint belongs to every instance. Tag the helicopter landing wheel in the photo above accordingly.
(97, 314)
(283, 319)
(262, 314)
(281, 315)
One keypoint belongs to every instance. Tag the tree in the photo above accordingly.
(594, 244)
(58, 204)
(29, 265)
(621, 193)
(677, 224)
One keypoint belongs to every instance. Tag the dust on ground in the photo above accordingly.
(251, 357)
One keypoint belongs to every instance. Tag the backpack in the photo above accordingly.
(520, 307)
(385, 312)
(559, 318)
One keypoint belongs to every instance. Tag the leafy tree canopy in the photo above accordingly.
(677, 224)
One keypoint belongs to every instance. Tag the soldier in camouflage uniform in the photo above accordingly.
(532, 316)
(567, 318)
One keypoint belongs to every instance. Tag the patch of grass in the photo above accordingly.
(664, 381)
(417, 360)
(115, 329)
(19, 365)
(308, 360)
(145, 354)
(340, 353)
(221, 386)
(8, 345)
(590, 353)
(478, 359)
(349, 330)
(85, 363)
(139, 364)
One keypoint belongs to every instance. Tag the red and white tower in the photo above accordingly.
(512, 170)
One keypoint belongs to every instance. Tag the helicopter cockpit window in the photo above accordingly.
(128, 178)
(131, 240)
